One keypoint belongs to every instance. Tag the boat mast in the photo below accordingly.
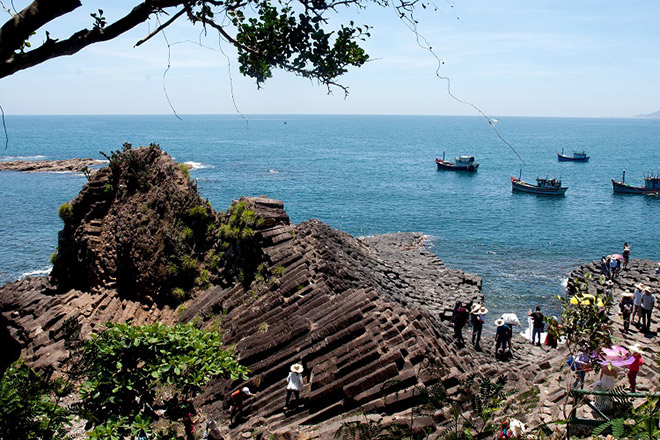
(623, 177)
(520, 175)
(443, 156)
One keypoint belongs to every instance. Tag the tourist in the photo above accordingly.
(633, 368)
(294, 383)
(647, 307)
(189, 420)
(501, 337)
(537, 320)
(477, 316)
(626, 307)
(607, 382)
(236, 401)
(550, 339)
(637, 303)
(212, 431)
(605, 267)
(580, 365)
(626, 254)
(657, 269)
(459, 320)
(614, 268)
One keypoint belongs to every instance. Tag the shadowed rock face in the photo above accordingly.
(364, 317)
(127, 229)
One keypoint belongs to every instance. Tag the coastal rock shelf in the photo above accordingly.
(352, 311)
(49, 166)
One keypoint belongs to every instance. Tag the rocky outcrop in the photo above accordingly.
(49, 166)
(366, 325)
(138, 226)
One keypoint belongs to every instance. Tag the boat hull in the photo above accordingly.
(520, 186)
(622, 188)
(450, 166)
(562, 158)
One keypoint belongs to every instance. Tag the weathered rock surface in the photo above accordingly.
(49, 166)
(355, 315)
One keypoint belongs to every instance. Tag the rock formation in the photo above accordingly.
(49, 166)
(363, 321)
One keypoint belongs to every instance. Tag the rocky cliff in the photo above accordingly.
(139, 244)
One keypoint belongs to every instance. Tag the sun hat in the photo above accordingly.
(246, 390)
(475, 308)
(639, 286)
(297, 368)
(637, 348)
(499, 322)
(483, 310)
(212, 425)
(647, 288)
(627, 293)
(609, 283)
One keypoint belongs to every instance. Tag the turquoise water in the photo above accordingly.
(375, 174)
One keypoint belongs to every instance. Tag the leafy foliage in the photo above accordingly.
(134, 369)
(29, 408)
(642, 422)
(65, 212)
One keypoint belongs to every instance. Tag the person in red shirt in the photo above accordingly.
(633, 368)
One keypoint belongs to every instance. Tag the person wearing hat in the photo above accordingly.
(236, 401)
(477, 315)
(626, 307)
(294, 383)
(459, 319)
(633, 368)
(637, 303)
(212, 431)
(647, 307)
(501, 336)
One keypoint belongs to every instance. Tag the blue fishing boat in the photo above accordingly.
(576, 157)
(651, 186)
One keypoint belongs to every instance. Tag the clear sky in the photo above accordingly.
(597, 58)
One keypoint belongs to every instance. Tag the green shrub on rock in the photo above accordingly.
(65, 212)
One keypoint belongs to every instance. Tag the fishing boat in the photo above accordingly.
(651, 186)
(544, 186)
(462, 163)
(576, 157)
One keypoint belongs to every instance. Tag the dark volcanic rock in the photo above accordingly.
(365, 317)
(127, 229)
(49, 166)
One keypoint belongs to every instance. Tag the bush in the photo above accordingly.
(184, 170)
(65, 211)
(179, 294)
(53, 257)
(29, 407)
(199, 212)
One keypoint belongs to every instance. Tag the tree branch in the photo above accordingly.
(15, 32)
(81, 39)
(161, 27)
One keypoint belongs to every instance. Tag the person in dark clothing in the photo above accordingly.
(626, 255)
(501, 337)
(626, 308)
(605, 267)
(477, 317)
(459, 320)
(537, 324)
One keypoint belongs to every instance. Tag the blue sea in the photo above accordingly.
(375, 174)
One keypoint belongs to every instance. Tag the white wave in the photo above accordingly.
(37, 157)
(273, 172)
(564, 282)
(197, 165)
(44, 271)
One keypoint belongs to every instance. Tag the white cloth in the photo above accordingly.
(605, 383)
(637, 297)
(294, 381)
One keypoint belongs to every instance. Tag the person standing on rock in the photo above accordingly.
(501, 337)
(537, 321)
(647, 307)
(459, 320)
(633, 368)
(605, 267)
(637, 303)
(477, 315)
(294, 384)
(626, 307)
(626, 255)
(614, 268)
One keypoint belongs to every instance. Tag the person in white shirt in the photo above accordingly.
(637, 304)
(294, 383)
